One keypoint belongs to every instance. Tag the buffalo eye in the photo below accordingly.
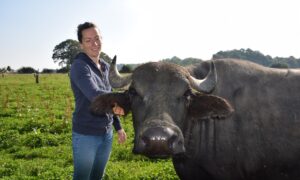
(132, 91)
(187, 94)
(134, 95)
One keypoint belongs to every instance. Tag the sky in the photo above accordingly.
(139, 31)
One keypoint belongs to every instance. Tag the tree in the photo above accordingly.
(245, 54)
(26, 70)
(126, 69)
(174, 60)
(2, 70)
(280, 65)
(65, 52)
(62, 70)
(105, 57)
(48, 71)
(8, 68)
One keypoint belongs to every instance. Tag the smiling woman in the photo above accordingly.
(92, 135)
(91, 43)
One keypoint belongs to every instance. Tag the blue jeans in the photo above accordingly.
(90, 155)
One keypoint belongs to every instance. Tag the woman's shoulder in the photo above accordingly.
(80, 60)
(79, 66)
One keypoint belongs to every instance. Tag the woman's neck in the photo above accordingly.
(95, 60)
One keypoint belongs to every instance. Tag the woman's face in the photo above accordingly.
(91, 42)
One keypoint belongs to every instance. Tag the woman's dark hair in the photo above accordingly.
(82, 27)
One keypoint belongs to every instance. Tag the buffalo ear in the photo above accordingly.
(104, 103)
(204, 106)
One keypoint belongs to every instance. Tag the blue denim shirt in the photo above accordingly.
(87, 82)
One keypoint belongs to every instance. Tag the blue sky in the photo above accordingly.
(142, 30)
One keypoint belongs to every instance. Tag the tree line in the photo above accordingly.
(66, 51)
(259, 58)
(244, 54)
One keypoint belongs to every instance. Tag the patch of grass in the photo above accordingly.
(35, 134)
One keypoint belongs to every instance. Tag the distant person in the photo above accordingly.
(91, 135)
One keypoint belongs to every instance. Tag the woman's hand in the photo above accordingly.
(117, 110)
(121, 136)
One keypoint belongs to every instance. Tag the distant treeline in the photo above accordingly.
(126, 68)
(30, 70)
(259, 58)
(244, 54)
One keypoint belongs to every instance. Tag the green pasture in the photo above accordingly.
(35, 134)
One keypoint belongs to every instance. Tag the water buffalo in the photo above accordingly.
(219, 119)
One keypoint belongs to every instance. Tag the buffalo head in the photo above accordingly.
(162, 98)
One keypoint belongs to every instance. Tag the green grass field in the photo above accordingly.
(35, 134)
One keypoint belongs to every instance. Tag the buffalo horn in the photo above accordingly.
(116, 80)
(206, 85)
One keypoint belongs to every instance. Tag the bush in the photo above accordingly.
(7, 168)
(126, 69)
(35, 140)
(26, 70)
(31, 126)
(48, 71)
(63, 70)
(9, 139)
(280, 65)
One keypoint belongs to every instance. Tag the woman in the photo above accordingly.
(91, 135)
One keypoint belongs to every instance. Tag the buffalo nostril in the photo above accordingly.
(171, 141)
(145, 140)
(159, 141)
(155, 139)
(158, 134)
